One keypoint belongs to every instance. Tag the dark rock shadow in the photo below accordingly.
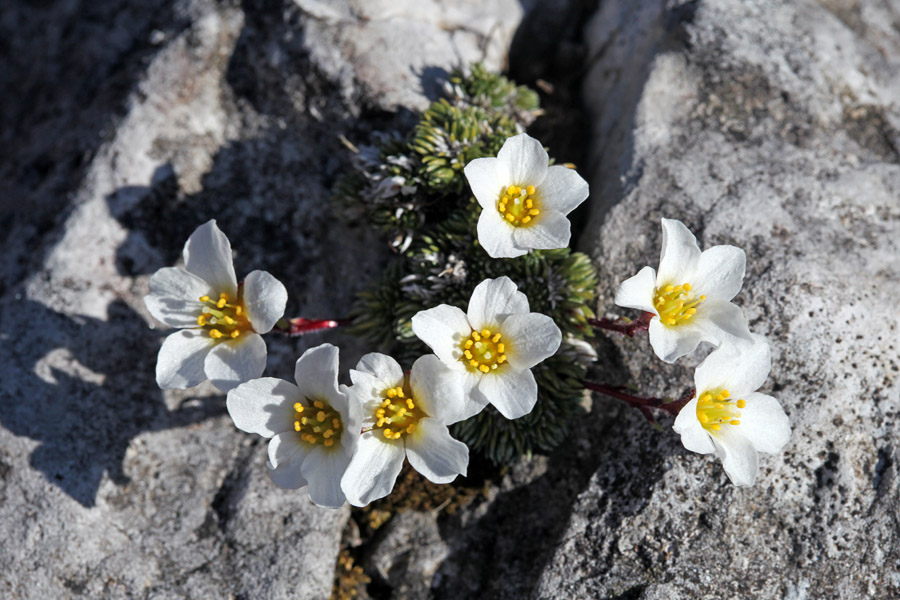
(86, 414)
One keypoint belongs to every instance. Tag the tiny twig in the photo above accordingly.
(642, 403)
(301, 326)
(622, 325)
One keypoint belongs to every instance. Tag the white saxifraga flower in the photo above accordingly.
(690, 296)
(221, 321)
(728, 417)
(493, 345)
(525, 200)
(404, 415)
(313, 426)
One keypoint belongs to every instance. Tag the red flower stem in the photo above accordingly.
(624, 326)
(642, 403)
(300, 326)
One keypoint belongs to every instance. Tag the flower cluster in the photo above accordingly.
(688, 301)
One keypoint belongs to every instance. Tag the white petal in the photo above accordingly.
(738, 456)
(513, 393)
(181, 358)
(637, 292)
(679, 255)
(323, 469)
(720, 322)
(207, 254)
(286, 446)
(263, 406)
(693, 436)
(174, 297)
(530, 339)
(264, 299)
(231, 363)
(382, 367)
(288, 475)
(437, 389)
(563, 189)
(492, 301)
(739, 368)
(433, 453)
(496, 236)
(353, 421)
(473, 400)
(720, 272)
(372, 470)
(487, 177)
(550, 230)
(316, 373)
(526, 160)
(672, 342)
(764, 423)
(443, 328)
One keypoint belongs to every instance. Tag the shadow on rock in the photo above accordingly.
(84, 388)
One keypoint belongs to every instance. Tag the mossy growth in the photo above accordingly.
(414, 190)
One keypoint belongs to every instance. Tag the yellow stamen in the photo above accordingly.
(674, 305)
(215, 334)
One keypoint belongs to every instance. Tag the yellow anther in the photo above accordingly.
(530, 190)
(385, 403)
(320, 416)
(476, 336)
(674, 305)
(204, 298)
(228, 320)
(484, 368)
(670, 288)
(336, 423)
(235, 333)
(392, 393)
(201, 320)
(328, 433)
(687, 287)
(221, 303)
(526, 219)
(501, 359)
(319, 404)
(703, 418)
(409, 404)
(501, 348)
(486, 333)
(399, 392)
(410, 428)
(529, 203)
(510, 217)
(474, 363)
(715, 427)
(741, 403)
(388, 433)
(298, 408)
(496, 339)
(735, 422)
(469, 343)
(297, 426)
(215, 334)
(534, 212)
(511, 190)
(329, 443)
(238, 310)
(468, 354)
(304, 420)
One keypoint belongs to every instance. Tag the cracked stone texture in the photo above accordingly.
(125, 126)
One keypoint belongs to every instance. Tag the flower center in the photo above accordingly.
(318, 423)
(223, 318)
(483, 351)
(715, 408)
(675, 305)
(398, 414)
(518, 205)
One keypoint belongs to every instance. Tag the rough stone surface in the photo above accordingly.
(125, 126)
(764, 124)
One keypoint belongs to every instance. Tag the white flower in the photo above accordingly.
(525, 201)
(727, 416)
(690, 295)
(220, 320)
(494, 345)
(403, 415)
(313, 425)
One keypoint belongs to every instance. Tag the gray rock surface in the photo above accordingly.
(764, 124)
(126, 125)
